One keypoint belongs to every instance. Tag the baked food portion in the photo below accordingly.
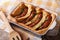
(34, 18)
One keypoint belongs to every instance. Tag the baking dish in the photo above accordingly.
(31, 7)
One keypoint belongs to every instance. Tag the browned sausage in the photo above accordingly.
(31, 16)
(36, 21)
(46, 23)
(24, 12)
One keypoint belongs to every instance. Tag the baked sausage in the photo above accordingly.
(46, 23)
(24, 12)
(37, 20)
(31, 16)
